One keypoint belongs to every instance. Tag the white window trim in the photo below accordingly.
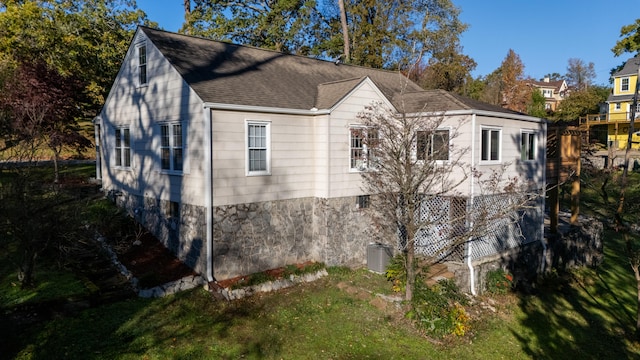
(139, 65)
(366, 165)
(628, 84)
(489, 162)
(267, 124)
(450, 130)
(535, 144)
(172, 148)
(617, 106)
(115, 148)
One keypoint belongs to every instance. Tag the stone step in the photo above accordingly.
(438, 272)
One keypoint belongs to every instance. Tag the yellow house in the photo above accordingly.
(619, 105)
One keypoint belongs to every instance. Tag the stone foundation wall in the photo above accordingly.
(578, 246)
(249, 238)
(183, 233)
(344, 230)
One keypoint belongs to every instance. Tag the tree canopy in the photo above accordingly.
(381, 34)
(84, 38)
(630, 39)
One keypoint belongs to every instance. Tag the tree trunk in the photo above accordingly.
(187, 15)
(345, 32)
(56, 170)
(187, 8)
(411, 274)
(409, 266)
(636, 272)
(27, 267)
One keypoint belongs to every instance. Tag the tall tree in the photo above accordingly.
(391, 34)
(85, 38)
(448, 70)
(41, 104)
(394, 34)
(282, 25)
(345, 31)
(630, 42)
(580, 75)
(515, 93)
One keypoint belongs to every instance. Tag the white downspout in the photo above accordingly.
(208, 145)
(544, 189)
(472, 274)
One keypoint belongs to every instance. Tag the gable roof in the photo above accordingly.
(555, 85)
(235, 74)
(226, 73)
(630, 67)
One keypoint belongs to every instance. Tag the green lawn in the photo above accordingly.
(586, 314)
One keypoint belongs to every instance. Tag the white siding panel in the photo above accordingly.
(341, 181)
(166, 98)
(293, 171)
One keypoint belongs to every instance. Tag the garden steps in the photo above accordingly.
(438, 272)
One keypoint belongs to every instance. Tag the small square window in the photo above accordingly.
(174, 210)
(362, 201)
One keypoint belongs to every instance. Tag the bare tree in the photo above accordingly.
(412, 161)
(580, 74)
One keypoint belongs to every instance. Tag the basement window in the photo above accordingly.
(362, 201)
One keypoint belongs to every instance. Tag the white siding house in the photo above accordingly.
(239, 159)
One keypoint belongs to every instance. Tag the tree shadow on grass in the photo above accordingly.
(580, 315)
(172, 327)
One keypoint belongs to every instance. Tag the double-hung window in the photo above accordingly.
(490, 144)
(527, 146)
(171, 147)
(362, 141)
(258, 141)
(142, 64)
(624, 84)
(123, 147)
(432, 145)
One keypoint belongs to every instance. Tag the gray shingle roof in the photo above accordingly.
(630, 67)
(226, 73)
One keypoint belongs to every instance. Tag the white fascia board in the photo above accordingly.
(265, 109)
(481, 113)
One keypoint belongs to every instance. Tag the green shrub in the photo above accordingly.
(438, 309)
(397, 273)
(498, 282)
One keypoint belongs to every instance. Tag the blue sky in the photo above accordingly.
(545, 33)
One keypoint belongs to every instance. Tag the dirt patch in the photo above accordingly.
(151, 262)
(277, 273)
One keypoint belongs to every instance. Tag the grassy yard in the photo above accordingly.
(585, 314)
(588, 315)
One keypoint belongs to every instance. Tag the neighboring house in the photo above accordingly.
(620, 102)
(241, 159)
(612, 123)
(553, 91)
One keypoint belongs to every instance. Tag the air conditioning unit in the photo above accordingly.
(378, 257)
